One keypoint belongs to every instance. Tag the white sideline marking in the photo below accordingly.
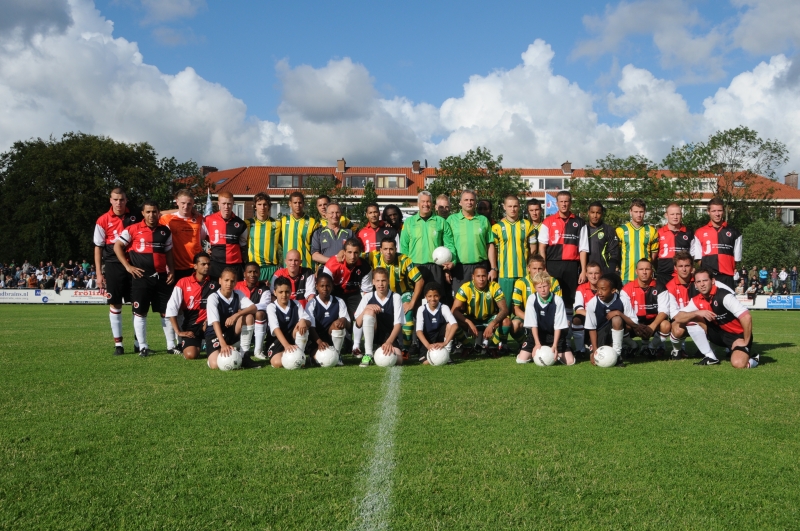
(375, 506)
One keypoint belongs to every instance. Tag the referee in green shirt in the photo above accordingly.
(472, 235)
(422, 233)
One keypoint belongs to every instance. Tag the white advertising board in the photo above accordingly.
(49, 296)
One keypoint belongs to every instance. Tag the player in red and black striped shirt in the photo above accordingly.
(227, 234)
(681, 290)
(718, 245)
(650, 302)
(189, 298)
(672, 238)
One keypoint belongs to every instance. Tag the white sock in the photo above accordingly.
(357, 337)
(753, 363)
(449, 347)
(616, 340)
(338, 339)
(577, 333)
(260, 329)
(247, 337)
(676, 343)
(115, 316)
(301, 341)
(169, 333)
(140, 327)
(136, 342)
(369, 334)
(698, 335)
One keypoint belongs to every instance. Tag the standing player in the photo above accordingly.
(718, 246)
(721, 319)
(472, 235)
(300, 278)
(227, 234)
(673, 237)
(436, 326)
(298, 228)
(328, 316)
(380, 314)
(681, 290)
(376, 230)
(481, 311)
(404, 279)
(513, 241)
(534, 209)
(226, 309)
(115, 280)
(546, 322)
(264, 238)
(188, 300)
(603, 242)
(608, 314)
(288, 322)
(585, 293)
(638, 241)
(650, 301)
(149, 246)
(259, 294)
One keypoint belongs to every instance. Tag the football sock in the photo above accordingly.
(301, 340)
(369, 333)
(698, 335)
(356, 336)
(408, 331)
(169, 333)
(663, 338)
(577, 333)
(260, 330)
(140, 327)
(338, 339)
(676, 343)
(115, 316)
(136, 342)
(616, 340)
(247, 337)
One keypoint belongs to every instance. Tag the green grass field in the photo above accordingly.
(92, 441)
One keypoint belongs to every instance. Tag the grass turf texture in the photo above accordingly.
(93, 441)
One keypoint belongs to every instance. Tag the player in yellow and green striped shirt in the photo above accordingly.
(511, 246)
(404, 279)
(480, 304)
(264, 239)
(637, 240)
(297, 229)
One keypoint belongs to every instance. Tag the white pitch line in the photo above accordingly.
(375, 507)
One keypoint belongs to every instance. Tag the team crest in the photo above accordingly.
(601, 235)
(574, 223)
(655, 292)
(728, 234)
(685, 237)
(133, 218)
(135, 304)
(715, 303)
(236, 224)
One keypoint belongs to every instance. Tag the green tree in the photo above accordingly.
(52, 191)
(770, 243)
(358, 212)
(477, 170)
(315, 187)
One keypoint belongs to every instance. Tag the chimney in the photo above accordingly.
(205, 170)
(567, 167)
(415, 166)
(791, 180)
(341, 165)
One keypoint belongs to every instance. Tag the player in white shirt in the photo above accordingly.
(380, 315)
(288, 322)
(328, 316)
(436, 326)
(225, 310)
(607, 316)
(546, 322)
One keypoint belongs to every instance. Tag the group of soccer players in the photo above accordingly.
(278, 285)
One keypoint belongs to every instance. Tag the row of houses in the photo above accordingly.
(400, 185)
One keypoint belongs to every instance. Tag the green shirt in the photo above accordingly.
(421, 236)
(471, 238)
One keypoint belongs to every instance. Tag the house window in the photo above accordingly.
(391, 181)
(238, 209)
(285, 181)
(358, 181)
(429, 181)
(553, 184)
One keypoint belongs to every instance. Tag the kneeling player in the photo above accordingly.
(436, 326)
(681, 290)
(380, 315)
(328, 316)
(288, 322)
(480, 310)
(190, 297)
(523, 288)
(546, 321)
(650, 301)
(226, 308)
(259, 294)
(586, 292)
(721, 319)
(607, 316)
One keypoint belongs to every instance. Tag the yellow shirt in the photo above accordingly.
(635, 244)
(480, 304)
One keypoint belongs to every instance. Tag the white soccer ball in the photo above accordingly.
(293, 360)
(229, 363)
(439, 356)
(327, 358)
(605, 357)
(442, 255)
(544, 357)
(382, 360)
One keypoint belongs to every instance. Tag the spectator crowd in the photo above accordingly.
(72, 275)
(765, 282)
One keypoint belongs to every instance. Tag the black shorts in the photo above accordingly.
(213, 343)
(197, 340)
(567, 273)
(726, 279)
(435, 273)
(118, 283)
(151, 291)
(723, 338)
(545, 338)
(603, 335)
(183, 273)
(216, 269)
(351, 301)
(277, 347)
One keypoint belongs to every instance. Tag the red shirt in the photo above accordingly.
(147, 247)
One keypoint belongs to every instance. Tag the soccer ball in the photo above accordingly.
(382, 360)
(229, 363)
(293, 360)
(327, 358)
(605, 357)
(442, 255)
(545, 357)
(440, 356)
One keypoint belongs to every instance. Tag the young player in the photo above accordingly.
(301, 278)
(225, 309)
(681, 290)
(650, 301)
(288, 322)
(524, 288)
(264, 238)
(436, 326)
(638, 241)
(328, 316)
(380, 315)
(189, 299)
(546, 322)
(259, 293)
(376, 230)
(585, 293)
(116, 280)
(720, 319)
(149, 246)
(480, 310)
(607, 316)
(227, 236)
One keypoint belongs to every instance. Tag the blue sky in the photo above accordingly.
(229, 83)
